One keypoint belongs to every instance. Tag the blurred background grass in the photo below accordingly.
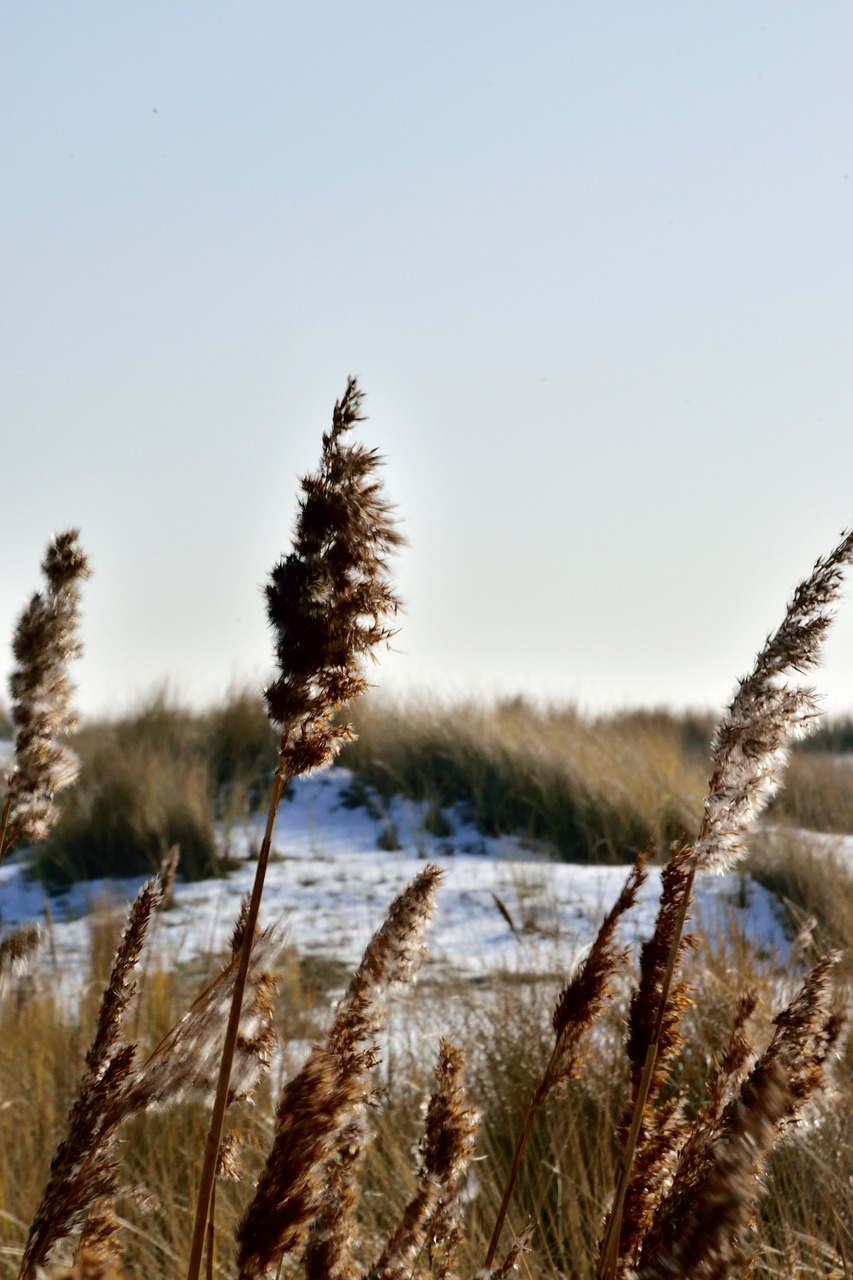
(591, 789)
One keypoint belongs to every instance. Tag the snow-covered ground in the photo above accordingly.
(330, 882)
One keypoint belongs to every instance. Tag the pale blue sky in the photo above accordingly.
(592, 263)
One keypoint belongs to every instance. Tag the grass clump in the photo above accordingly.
(590, 789)
(161, 775)
(818, 793)
(136, 804)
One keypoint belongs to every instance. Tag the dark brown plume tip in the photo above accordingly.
(328, 601)
(65, 561)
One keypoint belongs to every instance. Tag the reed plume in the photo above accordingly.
(319, 1131)
(393, 955)
(701, 1224)
(84, 1170)
(40, 690)
(752, 741)
(659, 1126)
(431, 1221)
(327, 603)
(84, 1180)
(750, 749)
(185, 1062)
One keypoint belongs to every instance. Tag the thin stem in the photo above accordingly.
(609, 1258)
(4, 825)
(516, 1164)
(211, 1235)
(220, 1104)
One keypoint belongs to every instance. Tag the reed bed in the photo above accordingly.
(634, 1134)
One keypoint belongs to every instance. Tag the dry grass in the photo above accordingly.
(158, 776)
(566, 1176)
(681, 1086)
(818, 793)
(592, 789)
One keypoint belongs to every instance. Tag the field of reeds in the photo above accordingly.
(507, 1037)
(685, 1111)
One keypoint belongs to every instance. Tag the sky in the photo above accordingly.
(591, 263)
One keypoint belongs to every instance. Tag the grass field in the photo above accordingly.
(684, 1110)
(507, 1034)
(586, 789)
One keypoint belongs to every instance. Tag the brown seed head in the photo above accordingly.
(45, 642)
(750, 747)
(328, 601)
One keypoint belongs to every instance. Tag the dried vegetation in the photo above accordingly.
(580, 1149)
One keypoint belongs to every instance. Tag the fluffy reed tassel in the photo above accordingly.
(328, 599)
(185, 1062)
(675, 1151)
(83, 1172)
(579, 1004)
(750, 749)
(432, 1219)
(327, 603)
(701, 1225)
(318, 1136)
(751, 744)
(45, 641)
(83, 1179)
(660, 1127)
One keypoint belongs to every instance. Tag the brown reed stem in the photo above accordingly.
(211, 1235)
(220, 1104)
(609, 1256)
(4, 825)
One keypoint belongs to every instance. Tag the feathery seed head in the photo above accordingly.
(585, 994)
(45, 641)
(447, 1151)
(328, 600)
(701, 1225)
(318, 1138)
(83, 1179)
(65, 562)
(751, 744)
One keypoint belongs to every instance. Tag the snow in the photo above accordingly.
(329, 883)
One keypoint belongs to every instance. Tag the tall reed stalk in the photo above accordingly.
(327, 603)
(750, 751)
